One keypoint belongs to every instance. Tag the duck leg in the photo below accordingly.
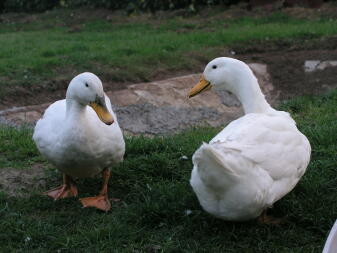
(66, 190)
(101, 201)
(267, 219)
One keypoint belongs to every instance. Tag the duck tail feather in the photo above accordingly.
(213, 167)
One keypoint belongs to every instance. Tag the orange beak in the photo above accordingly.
(102, 111)
(203, 85)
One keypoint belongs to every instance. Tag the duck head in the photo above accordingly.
(222, 73)
(87, 89)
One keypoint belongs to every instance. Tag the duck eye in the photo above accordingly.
(214, 66)
(86, 85)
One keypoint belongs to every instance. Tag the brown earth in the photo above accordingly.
(285, 61)
(284, 58)
(20, 182)
(286, 65)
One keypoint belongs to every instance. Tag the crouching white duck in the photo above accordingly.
(255, 160)
(81, 137)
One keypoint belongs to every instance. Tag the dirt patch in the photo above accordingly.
(286, 66)
(327, 10)
(55, 89)
(285, 60)
(284, 57)
(22, 182)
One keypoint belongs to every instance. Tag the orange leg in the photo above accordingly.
(101, 201)
(66, 190)
(266, 219)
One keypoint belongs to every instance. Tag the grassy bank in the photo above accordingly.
(39, 50)
(158, 211)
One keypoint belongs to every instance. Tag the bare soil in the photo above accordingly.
(21, 182)
(285, 60)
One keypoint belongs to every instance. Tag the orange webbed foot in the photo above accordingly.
(101, 202)
(269, 220)
(63, 191)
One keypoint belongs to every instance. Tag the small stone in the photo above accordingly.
(27, 239)
(148, 187)
(314, 65)
(183, 158)
(188, 212)
(310, 66)
(326, 64)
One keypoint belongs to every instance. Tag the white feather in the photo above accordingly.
(79, 145)
(250, 164)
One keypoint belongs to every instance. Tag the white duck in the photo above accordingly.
(255, 160)
(81, 141)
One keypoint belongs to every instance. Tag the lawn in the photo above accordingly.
(38, 51)
(158, 211)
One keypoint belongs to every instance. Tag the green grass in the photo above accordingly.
(153, 185)
(17, 149)
(131, 49)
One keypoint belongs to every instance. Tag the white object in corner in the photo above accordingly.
(331, 243)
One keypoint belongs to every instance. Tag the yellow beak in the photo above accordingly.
(203, 85)
(101, 110)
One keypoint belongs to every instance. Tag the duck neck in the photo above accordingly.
(75, 110)
(250, 95)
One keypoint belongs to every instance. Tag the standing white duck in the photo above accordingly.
(81, 141)
(255, 160)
